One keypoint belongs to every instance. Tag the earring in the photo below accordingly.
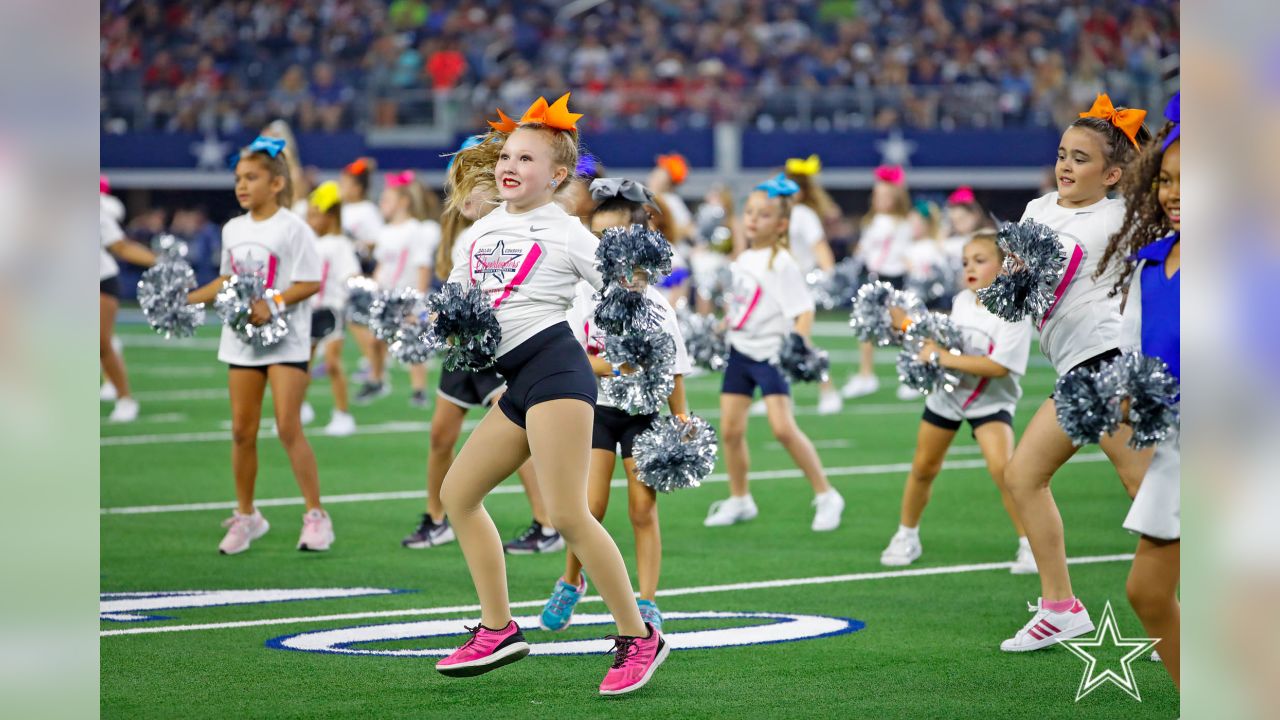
(553, 184)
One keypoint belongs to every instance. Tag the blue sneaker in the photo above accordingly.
(650, 612)
(558, 611)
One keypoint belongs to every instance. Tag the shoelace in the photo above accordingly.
(240, 523)
(560, 599)
(623, 648)
(530, 532)
(475, 635)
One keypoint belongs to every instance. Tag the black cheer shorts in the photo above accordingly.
(548, 366)
(470, 389)
(613, 427)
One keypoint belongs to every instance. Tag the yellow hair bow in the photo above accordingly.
(326, 196)
(804, 166)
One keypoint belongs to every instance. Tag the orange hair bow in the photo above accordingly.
(1129, 121)
(556, 115)
(359, 167)
(675, 165)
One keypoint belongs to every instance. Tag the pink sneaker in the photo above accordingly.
(635, 659)
(242, 530)
(317, 531)
(486, 650)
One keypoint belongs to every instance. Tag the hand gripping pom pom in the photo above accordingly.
(645, 390)
(162, 294)
(835, 289)
(623, 252)
(1033, 266)
(704, 341)
(673, 454)
(466, 327)
(362, 292)
(1153, 398)
(1088, 402)
(389, 310)
(929, 377)
(870, 317)
(625, 312)
(801, 361)
(234, 304)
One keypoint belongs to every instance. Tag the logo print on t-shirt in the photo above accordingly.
(496, 261)
(250, 265)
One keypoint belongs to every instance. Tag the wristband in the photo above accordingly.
(906, 323)
(278, 299)
(617, 371)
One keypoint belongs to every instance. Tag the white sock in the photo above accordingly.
(909, 532)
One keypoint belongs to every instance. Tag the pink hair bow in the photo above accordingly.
(400, 179)
(963, 195)
(892, 174)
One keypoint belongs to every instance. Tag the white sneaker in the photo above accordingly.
(1046, 628)
(860, 385)
(340, 425)
(829, 507)
(758, 408)
(730, 511)
(904, 548)
(108, 391)
(905, 393)
(1025, 562)
(242, 530)
(1155, 656)
(317, 531)
(830, 402)
(126, 410)
(308, 413)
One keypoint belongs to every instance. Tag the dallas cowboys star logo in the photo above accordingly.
(896, 149)
(1108, 639)
(497, 261)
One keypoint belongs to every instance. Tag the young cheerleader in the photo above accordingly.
(1149, 245)
(402, 254)
(987, 395)
(113, 244)
(271, 240)
(883, 248)
(616, 430)
(528, 254)
(338, 263)
(471, 197)
(964, 217)
(769, 300)
(1080, 329)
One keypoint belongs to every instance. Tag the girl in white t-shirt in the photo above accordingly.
(994, 360)
(270, 240)
(615, 431)
(1080, 329)
(883, 247)
(769, 300)
(402, 259)
(528, 255)
(338, 263)
(113, 244)
(807, 241)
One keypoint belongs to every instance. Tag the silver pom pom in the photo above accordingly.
(162, 293)
(234, 303)
(1088, 402)
(1153, 398)
(673, 454)
(928, 377)
(413, 340)
(801, 361)
(715, 284)
(870, 317)
(939, 284)
(389, 310)
(169, 248)
(466, 327)
(362, 292)
(623, 252)
(644, 391)
(1033, 266)
(835, 289)
(704, 340)
(625, 312)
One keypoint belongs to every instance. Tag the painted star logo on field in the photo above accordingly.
(1108, 640)
(211, 153)
(896, 149)
(497, 261)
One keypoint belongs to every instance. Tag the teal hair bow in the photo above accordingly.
(779, 186)
(269, 145)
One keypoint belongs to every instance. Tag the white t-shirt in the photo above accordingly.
(884, 245)
(300, 207)
(804, 232)
(362, 221)
(925, 258)
(528, 264)
(1005, 343)
(581, 317)
(402, 249)
(111, 205)
(338, 263)
(1083, 322)
(109, 233)
(282, 247)
(764, 302)
(675, 205)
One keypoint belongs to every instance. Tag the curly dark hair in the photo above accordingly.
(1144, 220)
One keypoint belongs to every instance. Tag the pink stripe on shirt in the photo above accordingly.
(1073, 267)
(982, 384)
(755, 300)
(522, 274)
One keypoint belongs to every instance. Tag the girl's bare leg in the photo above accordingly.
(288, 388)
(995, 439)
(1153, 593)
(446, 427)
(598, 479)
(733, 437)
(112, 363)
(337, 374)
(797, 444)
(642, 504)
(931, 448)
(246, 388)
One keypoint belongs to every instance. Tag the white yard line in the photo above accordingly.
(852, 470)
(673, 592)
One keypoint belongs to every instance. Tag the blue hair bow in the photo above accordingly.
(588, 165)
(779, 186)
(470, 142)
(1173, 113)
(269, 145)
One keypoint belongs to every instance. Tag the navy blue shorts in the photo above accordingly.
(743, 375)
(613, 427)
(548, 366)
